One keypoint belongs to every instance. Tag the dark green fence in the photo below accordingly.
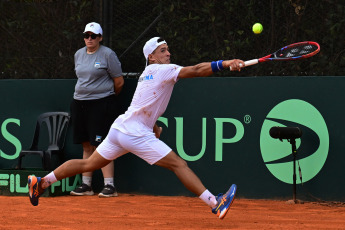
(41, 37)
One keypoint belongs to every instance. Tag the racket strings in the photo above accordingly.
(296, 51)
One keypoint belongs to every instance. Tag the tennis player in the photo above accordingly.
(136, 131)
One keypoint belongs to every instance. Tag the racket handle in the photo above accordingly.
(250, 62)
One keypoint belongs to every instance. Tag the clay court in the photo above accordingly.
(163, 212)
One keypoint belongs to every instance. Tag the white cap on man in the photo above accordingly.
(93, 27)
(151, 45)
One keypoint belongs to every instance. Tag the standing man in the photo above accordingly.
(94, 106)
(136, 130)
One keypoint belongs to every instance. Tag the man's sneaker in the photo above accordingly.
(224, 202)
(82, 190)
(108, 191)
(34, 189)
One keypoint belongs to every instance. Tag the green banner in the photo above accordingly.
(15, 183)
(220, 126)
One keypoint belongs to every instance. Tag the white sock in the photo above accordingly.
(109, 180)
(87, 180)
(208, 198)
(48, 180)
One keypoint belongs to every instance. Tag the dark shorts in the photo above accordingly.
(91, 119)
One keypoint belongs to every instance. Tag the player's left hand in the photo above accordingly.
(157, 130)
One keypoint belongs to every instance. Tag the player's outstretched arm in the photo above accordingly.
(208, 68)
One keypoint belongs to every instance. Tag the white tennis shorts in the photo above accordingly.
(147, 147)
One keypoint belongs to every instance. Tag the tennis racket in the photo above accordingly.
(294, 51)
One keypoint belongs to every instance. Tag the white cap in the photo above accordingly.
(151, 45)
(93, 27)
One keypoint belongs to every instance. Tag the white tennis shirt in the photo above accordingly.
(150, 100)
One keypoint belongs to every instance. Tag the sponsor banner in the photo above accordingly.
(220, 126)
(15, 183)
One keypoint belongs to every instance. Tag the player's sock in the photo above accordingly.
(87, 180)
(109, 181)
(48, 180)
(208, 198)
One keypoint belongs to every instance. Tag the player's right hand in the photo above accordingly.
(234, 65)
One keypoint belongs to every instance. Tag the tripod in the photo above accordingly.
(294, 154)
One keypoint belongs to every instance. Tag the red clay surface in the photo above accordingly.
(163, 212)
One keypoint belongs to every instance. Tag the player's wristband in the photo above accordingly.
(217, 66)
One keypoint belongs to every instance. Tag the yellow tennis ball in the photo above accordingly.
(257, 28)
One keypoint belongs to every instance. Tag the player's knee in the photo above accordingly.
(183, 163)
(172, 162)
(178, 163)
(88, 166)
